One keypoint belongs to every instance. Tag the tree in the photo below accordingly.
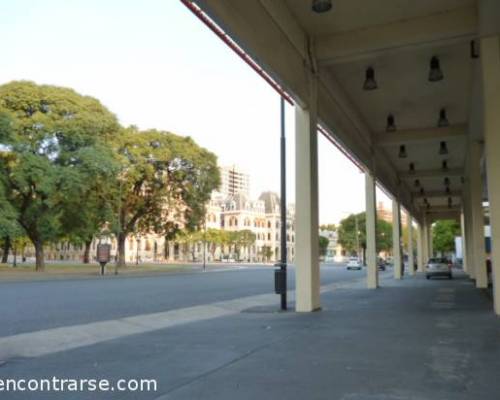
(244, 239)
(328, 227)
(323, 245)
(347, 234)
(164, 178)
(53, 137)
(443, 235)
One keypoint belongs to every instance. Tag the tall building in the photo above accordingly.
(234, 181)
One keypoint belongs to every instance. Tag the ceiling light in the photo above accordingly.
(321, 6)
(391, 126)
(443, 119)
(370, 83)
(417, 183)
(412, 168)
(444, 164)
(402, 151)
(473, 49)
(447, 181)
(448, 191)
(443, 148)
(422, 191)
(435, 73)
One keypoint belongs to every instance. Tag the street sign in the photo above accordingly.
(103, 255)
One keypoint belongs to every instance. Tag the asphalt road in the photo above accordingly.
(37, 305)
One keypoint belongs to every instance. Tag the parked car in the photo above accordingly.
(354, 263)
(438, 267)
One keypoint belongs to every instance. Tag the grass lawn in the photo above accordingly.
(27, 270)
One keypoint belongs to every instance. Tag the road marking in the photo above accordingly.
(39, 343)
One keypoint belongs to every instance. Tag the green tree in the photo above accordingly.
(164, 178)
(443, 235)
(323, 245)
(347, 233)
(328, 227)
(52, 139)
(245, 238)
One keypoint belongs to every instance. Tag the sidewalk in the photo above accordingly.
(408, 340)
(413, 339)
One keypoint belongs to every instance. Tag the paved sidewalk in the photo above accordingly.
(413, 339)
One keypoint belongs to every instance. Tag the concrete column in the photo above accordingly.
(475, 194)
(396, 238)
(411, 270)
(429, 237)
(490, 66)
(371, 232)
(469, 249)
(425, 239)
(420, 249)
(464, 245)
(306, 199)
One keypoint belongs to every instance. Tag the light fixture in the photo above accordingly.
(417, 183)
(443, 119)
(391, 126)
(448, 191)
(321, 6)
(447, 181)
(422, 191)
(435, 73)
(443, 149)
(370, 83)
(444, 164)
(402, 151)
(412, 168)
(473, 50)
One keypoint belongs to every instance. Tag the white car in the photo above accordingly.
(354, 263)
(438, 267)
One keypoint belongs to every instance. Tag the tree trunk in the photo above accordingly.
(86, 253)
(6, 248)
(39, 257)
(120, 262)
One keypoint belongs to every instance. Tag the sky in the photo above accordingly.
(155, 65)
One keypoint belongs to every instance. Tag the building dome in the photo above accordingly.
(271, 201)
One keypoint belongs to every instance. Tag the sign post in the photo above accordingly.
(103, 255)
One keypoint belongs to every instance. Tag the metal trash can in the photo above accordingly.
(279, 281)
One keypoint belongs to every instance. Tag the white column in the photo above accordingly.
(490, 63)
(306, 199)
(464, 245)
(420, 248)
(425, 239)
(469, 249)
(411, 269)
(396, 238)
(429, 236)
(371, 232)
(475, 193)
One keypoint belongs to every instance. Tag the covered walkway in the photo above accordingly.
(413, 339)
(410, 91)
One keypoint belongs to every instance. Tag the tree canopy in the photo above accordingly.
(443, 235)
(53, 148)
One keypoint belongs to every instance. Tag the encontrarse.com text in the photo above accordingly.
(55, 384)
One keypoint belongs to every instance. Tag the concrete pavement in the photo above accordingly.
(410, 339)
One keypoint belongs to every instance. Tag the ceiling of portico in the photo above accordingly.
(348, 15)
(401, 73)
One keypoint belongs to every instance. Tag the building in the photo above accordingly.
(234, 181)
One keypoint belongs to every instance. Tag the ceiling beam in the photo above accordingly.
(432, 173)
(412, 136)
(443, 209)
(441, 28)
(440, 193)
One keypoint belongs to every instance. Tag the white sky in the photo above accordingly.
(155, 65)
